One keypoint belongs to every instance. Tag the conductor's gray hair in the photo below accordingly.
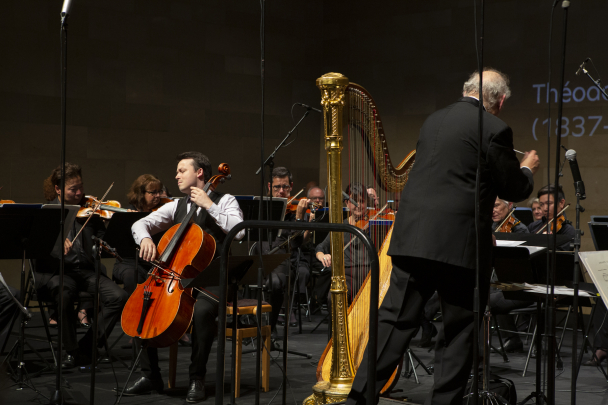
(494, 87)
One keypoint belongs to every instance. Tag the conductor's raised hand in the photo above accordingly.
(200, 198)
(147, 249)
(531, 160)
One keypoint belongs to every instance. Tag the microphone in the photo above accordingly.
(310, 108)
(579, 186)
(347, 197)
(65, 10)
(578, 73)
(107, 247)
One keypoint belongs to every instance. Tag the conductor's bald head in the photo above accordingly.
(495, 89)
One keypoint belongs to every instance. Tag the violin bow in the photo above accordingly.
(94, 209)
(559, 214)
(504, 221)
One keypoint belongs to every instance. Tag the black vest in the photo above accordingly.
(203, 219)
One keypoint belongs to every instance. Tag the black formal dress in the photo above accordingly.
(79, 275)
(433, 243)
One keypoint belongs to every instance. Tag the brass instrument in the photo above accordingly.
(368, 154)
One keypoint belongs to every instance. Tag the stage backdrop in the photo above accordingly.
(148, 79)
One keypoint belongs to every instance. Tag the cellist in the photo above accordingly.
(502, 209)
(217, 214)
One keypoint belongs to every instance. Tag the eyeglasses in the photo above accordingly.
(154, 192)
(281, 186)
(317, 198)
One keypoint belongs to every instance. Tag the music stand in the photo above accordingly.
(524, 215)
(599, 234)
(34, 235)
(531, 239)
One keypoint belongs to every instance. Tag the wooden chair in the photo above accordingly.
(245, 307)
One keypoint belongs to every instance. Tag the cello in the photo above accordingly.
(160, 310)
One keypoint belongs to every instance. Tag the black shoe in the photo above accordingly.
(196, 391)
(427, 337)
(512, 346)
(68, 361)
(598, 357)
(144, 386)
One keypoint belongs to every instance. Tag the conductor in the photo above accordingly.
(433, 243)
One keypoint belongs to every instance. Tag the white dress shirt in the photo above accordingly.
(226, 214)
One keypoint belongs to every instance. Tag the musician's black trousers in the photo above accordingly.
(112, 298)
(413, 282)
(204, 330)
(8, 310)
(278, 285)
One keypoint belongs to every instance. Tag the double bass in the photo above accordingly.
(160, 310)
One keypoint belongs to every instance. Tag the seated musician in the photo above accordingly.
(282, 183)
(372, 199)
(308, 248)
(502, 208)
(217, 214)
(545, 197)
(355, 258)
(79, 274)
(537, 211)
(144, 196)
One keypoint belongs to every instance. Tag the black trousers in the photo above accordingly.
(500, 307)
(204, 330)
(122, 273)
(112, 299)
(599, 327)
(278, 284)
(413, 282)
(8, 310)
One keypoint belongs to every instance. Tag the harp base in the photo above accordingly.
(325, 393)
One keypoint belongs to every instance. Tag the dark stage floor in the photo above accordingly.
(592, 386)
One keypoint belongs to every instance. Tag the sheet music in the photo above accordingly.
(509, 242)
(596, 264)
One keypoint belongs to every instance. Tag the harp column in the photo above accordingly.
(332, 87)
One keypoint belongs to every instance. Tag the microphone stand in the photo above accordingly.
(550, 308)
(57, 396)
(596, 82)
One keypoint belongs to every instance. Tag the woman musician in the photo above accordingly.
(356, 262)
(144, 196)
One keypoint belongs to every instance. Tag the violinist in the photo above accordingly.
(502, 209)
(545, 197)
(372, 199)
(144, 196)
(79, 274)
(355, 260)
(282, 184)
(217, 214)
(537, 211)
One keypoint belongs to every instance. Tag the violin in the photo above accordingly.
(105, 209)
(7, 202)
(160, 310)
(507, 224)
(559, 222)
